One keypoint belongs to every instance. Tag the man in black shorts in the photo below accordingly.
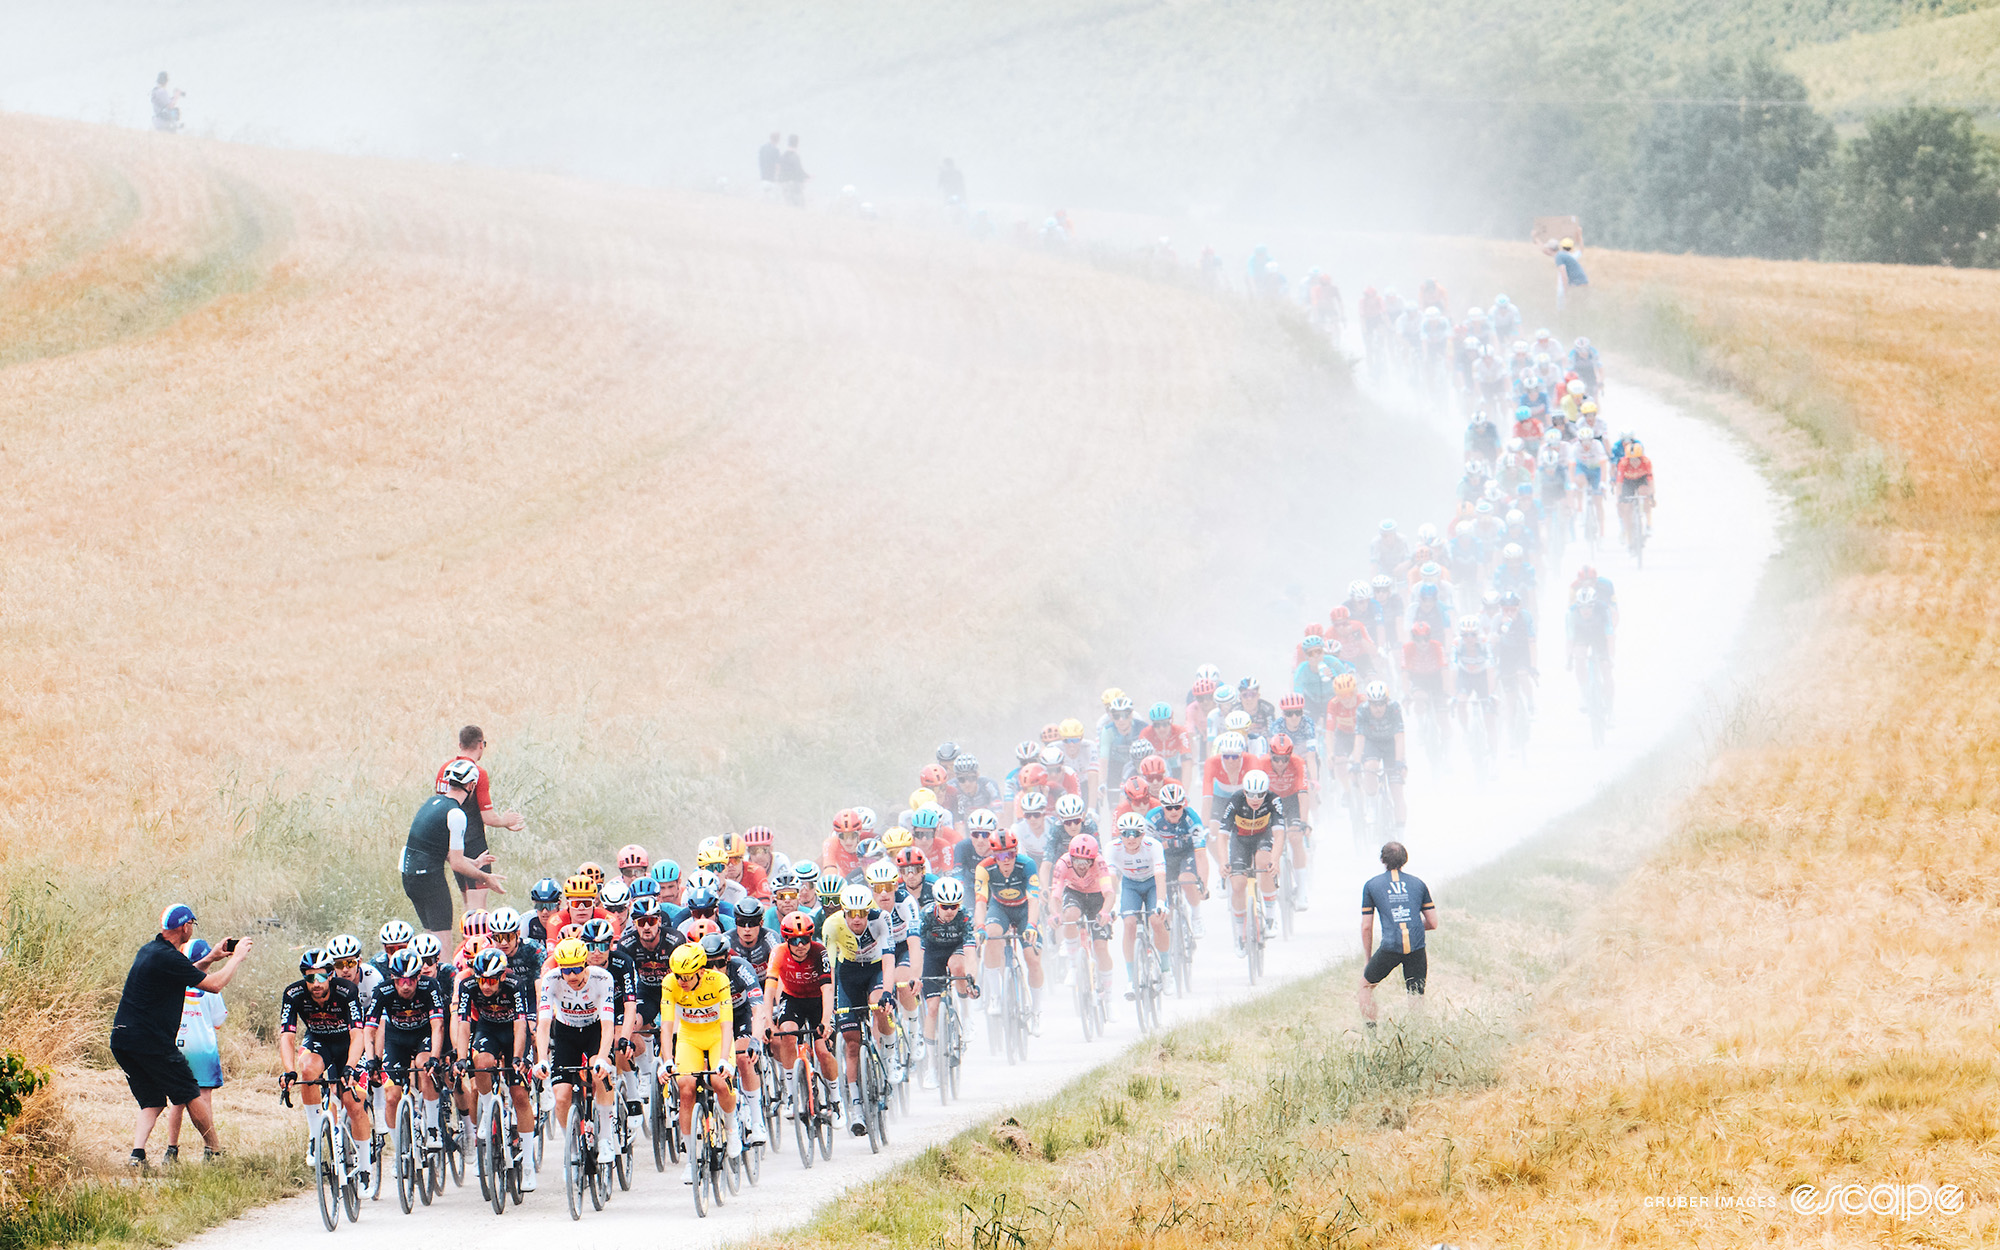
(437, 842)
(1404, 904)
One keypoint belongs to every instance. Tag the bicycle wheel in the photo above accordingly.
(574, 1178)
(435, 1168)
(537, 1141)
(377, 1148)
(457, 1131)
(622, 1138)
(656, 1121)
(906, 1061)
(350, 1181)
(493, 1159)
(326, 1179)
(1253, 931)
(403, 1159)
(722, 1167)
(600, 1168)
(823, 1115)
(804, 1110)
(941, 1048)
(871, 1099)
(1285, 879)
(700, 1185)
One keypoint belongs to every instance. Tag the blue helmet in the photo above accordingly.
(665, 872)
(1523, 412)
(1427, 590)
(545, 892)
(806, 871)
(702, 903)
(925, 817)
(645, 887)
(1160, 712)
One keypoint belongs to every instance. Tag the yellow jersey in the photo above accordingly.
(700, 1009)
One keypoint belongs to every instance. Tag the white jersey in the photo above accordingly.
(1140, 865)
(1034, 842)
(578, 1006)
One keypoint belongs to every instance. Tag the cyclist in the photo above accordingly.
(738, 869)
(1514, 574)
(1385, 613)
(615, 898)
(1514, 651)
(900, 911)
(547, 897)
(395, 935)
(492, 1030)
(1062, 778)
(703, 1041)
(1139, 861)
(748, 1025)
(945, 932)
(858, 936)
(1349, 645)
(967, 855)
(1589, 365)
(1388, 549)
(1249, 820)
(1081, 757)
(1138, 797)
(1404, 905)
(1423, 673)
(1084, 880)
(1292, 781)
(800, 981)
(1182, 837)
(650, 946)
(1427, 607)
(1201, 705)
(752, 938)
(1173, 745)
(970, 791)
(1591, 464)
(1312, 680)
(1119, 730)
(1223, 778)
(837, 856)
(668, 874)
(1378, 736)
(329, 1008)
(1009, 891)
(1471, 668)
(407, 1017)
(1072, 820)
(633, 862)
(1588, 629)
(1635, 483)
(1297, 724)
(764, 856)
(1340, 712)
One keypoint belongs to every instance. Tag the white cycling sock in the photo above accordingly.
(479, 1125)
(430, 1106)
(312, 1121)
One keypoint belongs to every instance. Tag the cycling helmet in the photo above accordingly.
(597, 931)
(1072, 730)
(1136, 789)
(1111, 695)
(1231, 743)
(929, 816)
(982, 821)
(697, 930)
(489, 965)
(933, 776)
(1130, 822)
(1244, 685)
(1173, 794)
(827, 890)
(1357, 589)
(633, 856)
(1634, 450)
(734, 846)
(701, 902)
(1239, 720)
(856, 898)
(614, 894)
(947, 752)
(590, 869)
(1005, 843)
(1427, 590)
(897, 839)
(1204, 688)
(1033, 776)
(578, 886)
(1380, 582)
(1141, 749)
(1510, 600)
(427, 946)
(867, 815)
(1028, 750)
(1515, 517)
(806, 871)
(1427, 533)
(749, 913)
(1575, 386)
(545, 893)
(1208, 672)
(644, 887)
(1256, 781)
(1153, 768)
(784, 881)
(1293, 702)
(688, 959)
(1340, 613)
(948, 892)
(911, 857)
(1069, 807)
(869, 848)
(1588, 408)
(463, 774)
(1034, 803)
(757, 835)
(396, 933)
(710, 853)
(1314, 641)
(347, 946)
(1490, 599)
(1378, 692)
(1587, 595)
(1484, 507)
(796, 925)
(503, 920)
(881, 872)
(1160, 712)
(1468, 624)
(965, 766)
(1419, 631)
(666, 872)
(1344, 684)
(405, 964)
(1281, 744)
(920, 798)
(849, 821)
(1083, 846)
(1388, 526)
(314, 960)
(1512, 551)
(1050, 733)
(1120, 705)
(1052, 757)
(716, 947)
(1225, 693)
(645, 908)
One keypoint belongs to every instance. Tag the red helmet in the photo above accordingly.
(633, 856)
(1083, 846)
(1051, 733)
(1422, 629)
(1340, 613)
(1135, 787)
(757, 835)
(797, 924)
(909, 857)
(933, 776)
(849, 821)
(1281, 744)
(1153, 767)
(1005, 843)
(699, 929)
(1204, 688)
(1033, 775)
(1313, 628)
(1293, 701)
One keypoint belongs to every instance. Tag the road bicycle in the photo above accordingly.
(1180, 934)
(332, 1156)
(1148, 992)
(417, 1165)
(1252, 932)
(708, 1143)
(500, 1154)
(1011, 1035)
(947, 1050)
(586, 1175)
(1086, 980)
(1516, 712)
(815, 1103)
(1595, 704)
(876, 1091)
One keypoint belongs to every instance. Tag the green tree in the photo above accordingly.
(1742, 178)
(1920, 187)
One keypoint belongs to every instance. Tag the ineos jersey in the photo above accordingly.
(801, 976)
(390, 1010)
(340, 1012)
(578, 1006)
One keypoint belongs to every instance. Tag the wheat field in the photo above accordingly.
(710, 512)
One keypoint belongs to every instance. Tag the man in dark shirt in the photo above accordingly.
(149, 1020)
(767, 160)
(1404, 905)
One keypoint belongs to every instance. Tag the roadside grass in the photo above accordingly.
(161, 1210)
(1952, 61)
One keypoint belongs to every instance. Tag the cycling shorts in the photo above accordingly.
(1243, 850)
(430, 897)
(1416, 966)
(1089, 904)
(1629, 488)
(852, 984)
(903, 953)
(1217, 805)
(571, 1047)
(1477, 685)
(745, 1025)
(937, 970)
(649, 1006)
(1182, 863)
(1138, 896)
(332, 1051)
(1431, 683)
(400, 1050)
(496, 1040)
(1593, 476)
(1007, 918)
(808, 1014)
(1384, 750)
(701, 1050)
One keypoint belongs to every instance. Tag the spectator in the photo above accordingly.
(202, 1013)
(1570, 278)
(792, 174)
(166, 105)
(767, 162)
(437, 841)
(148, 1020)
(952, 182)
(472, 746)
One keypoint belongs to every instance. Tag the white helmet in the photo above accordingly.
(396, 933)
(702, 879)
(1512, 551)
(1034, 801)
(881, 872)
(1133, 822)
(1377, 692)
(1069, 807)
(1052, 756)
(344, 946)
(867, 815)
(1208, 672)
(948, 892)
(613, 893)
(1231, 744)
(1427, 533)
(982, 821)
(1256, 781)
(1237, 721)
(507, 920)
(855, 897)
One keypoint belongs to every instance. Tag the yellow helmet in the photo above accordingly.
(688, 959)
(710, 854)
(896, 839)
(1568, 244)
(572, 954)
(921, 796)
(580, 886)
(735, 847)
(1111, 696)
(1589, 407)
(1634, 450)
(1345, 685)
(1072, 730)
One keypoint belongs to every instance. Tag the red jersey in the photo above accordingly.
(754, 882)
(1286, 782)
(1169, 739)
(1213, 773)
(1353, 638)
(1418, 657)
(482, 793)
(837, 857)
(1531, 428)
(1340, 716)
(800, 976)
(1629, 470)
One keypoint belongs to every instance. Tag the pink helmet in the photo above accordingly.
(1083, 846)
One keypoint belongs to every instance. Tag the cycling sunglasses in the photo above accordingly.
(596, 948)
(1174, 807)
(406, 980)
(576, 972)
(318, 978)
(343, 965)
(799, 939)
(646, 920)
(1232, 755)
(1075, 820)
